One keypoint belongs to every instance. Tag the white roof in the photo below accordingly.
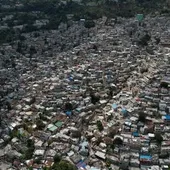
(133, 118)
(151, 135)
(128, 123)
(49, 126)
(103, 101)
(39, 152)
(100, 154)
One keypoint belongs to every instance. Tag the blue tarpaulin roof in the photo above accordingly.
(145, 157)
(136, 134)
(167, 117)
(114, 106)
(81, 164)
(68, 113)
(70, 78)
(124, 111)
(108, 76)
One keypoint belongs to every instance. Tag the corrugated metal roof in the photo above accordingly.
(145, 157)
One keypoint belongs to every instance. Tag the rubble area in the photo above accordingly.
(126, 127)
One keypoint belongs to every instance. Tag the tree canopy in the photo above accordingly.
(158, 138)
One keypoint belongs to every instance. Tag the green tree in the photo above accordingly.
(32, 50)
(157, 40)
(63, 165)
(19, 47)
(28, 153)
(66, 166)
(40, 124)
(53, 22)
(89, 24)
(57, 158)
(112, 132)
(30, 143)
(43, 117)
(98, 141)
(144, 40)
(37, 161)
(158, 138)
(118, 141)
(21, 38)
(29, 28)
(142, 117)
(99, 125)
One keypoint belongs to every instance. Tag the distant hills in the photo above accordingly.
(24, 15)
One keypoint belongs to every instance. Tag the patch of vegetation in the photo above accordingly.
(89, 24)
(110, 117)
(98, 141)
(30, 150)
(37, 160)
(57, 158)
(118, 141)
(7, 35)
(142, 117)
(56, 12)
(59, 164)
(28, 154)
(66, 166)
(158, 138)
(40, 124)
(144, 40)
(99, 125)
